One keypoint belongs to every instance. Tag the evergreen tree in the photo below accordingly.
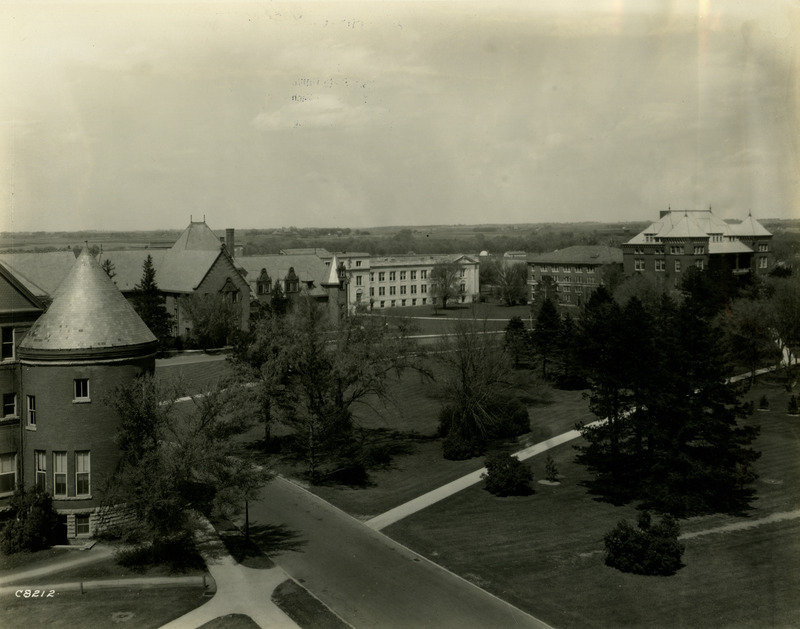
(517, 341)
(149, 303)
(546, 333)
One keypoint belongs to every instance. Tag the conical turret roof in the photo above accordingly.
(88, 319)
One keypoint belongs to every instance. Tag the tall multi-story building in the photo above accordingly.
(568, 276)
(698, 238)
(69, 361)
(399, 281)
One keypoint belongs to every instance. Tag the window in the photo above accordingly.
(381, 276)
(383, 303)
(402, 275)
(81, 389)
(462, 287)
(424, 300)
(392, 290)
(82, 524)
(413, 302)
(31, 410)
(8, 473)
(402, 290)
(381, 290)
(59, 473)
(358, 262)
(8, 344)
(413, 289)
(392, 276)
(699, 250)
(763, 247)
(677, 266)
(423, 288)
(462, 273)
(676, 250)
(358, 280)
(402, 302)
(394, 303)
(762, 262)
(82, 470)
(40, 461)
(9, 404)
(638, 264)
(661, 265)
(371, 277)
(423, 274)
(371, 291)
(590, 269)
(699, 264)
(413, 275)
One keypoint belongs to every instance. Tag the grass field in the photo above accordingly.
(544, 552)
(143, 609)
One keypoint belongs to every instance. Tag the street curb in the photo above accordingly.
(204, 581)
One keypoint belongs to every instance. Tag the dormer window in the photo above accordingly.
(7, 344)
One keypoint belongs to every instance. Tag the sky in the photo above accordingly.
(146, 115)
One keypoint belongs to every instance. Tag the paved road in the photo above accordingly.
(368, 579)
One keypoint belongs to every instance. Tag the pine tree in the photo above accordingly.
(546, 333)
(149, 304)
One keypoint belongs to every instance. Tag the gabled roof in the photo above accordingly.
(177, 271)
(40, 272)
(686, 227)
(749, 227)
(15, 295)
(309, 268)
(88, 319)
(580, 254)
(412, 259)
(197, 237)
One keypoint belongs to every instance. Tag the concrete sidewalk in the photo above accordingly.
(240, 590)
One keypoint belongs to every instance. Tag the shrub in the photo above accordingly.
(648, 549)
(550, 469)
(763, 403)
(33, 524)
(507, 476)
(513, 418)
(456, 447)
(792, 406)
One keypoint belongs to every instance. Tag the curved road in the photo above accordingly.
(368, 579)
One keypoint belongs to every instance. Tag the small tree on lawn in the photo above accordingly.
(550, 470)
(506, 475)
(518, 341)
(547, 334)
(791, 407)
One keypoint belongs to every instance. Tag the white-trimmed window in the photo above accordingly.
(358, 280)
(358, 262)
(638, 264)
(763, 247)
(413, 289)
(8, 473)
(381, 290)
(661, 265)
(7, 352)
(423, 274)
(402, 290)
(381, 276)
(9, 404)
(677, 266)
(762, 262)
(392, 290)
(423, 288)
(31, 410)
(402, 275)
(82, 473)
(413, 275)
(699, 264)
(59, 474)
(392, 276)
(82, 524)
(81, 389)
(699, 250)
(40, 463)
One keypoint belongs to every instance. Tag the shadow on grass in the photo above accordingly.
(296, 602)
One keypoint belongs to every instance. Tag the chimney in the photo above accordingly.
(229, 241)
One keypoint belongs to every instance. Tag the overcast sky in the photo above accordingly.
(121, 117)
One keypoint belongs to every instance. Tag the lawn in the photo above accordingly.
(544, 553)
(143, 609)
(427, 320)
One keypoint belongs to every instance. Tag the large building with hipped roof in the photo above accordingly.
(69, 362)
(680, 240)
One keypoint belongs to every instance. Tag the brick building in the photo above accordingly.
(88, 342)
(568, 276)
(698, 238)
